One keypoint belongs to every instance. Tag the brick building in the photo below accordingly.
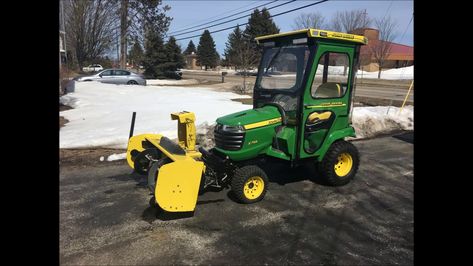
(399, 56)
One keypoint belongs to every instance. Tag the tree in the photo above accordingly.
(155, 55)
(309, 20)
(190, 48)
(232, 47)
(259, 23)
(348, 21)
(136, 17)
(175, 59)
(240, 53)
(89, 26)
(382, 48)
(136, 55)
(206, 53)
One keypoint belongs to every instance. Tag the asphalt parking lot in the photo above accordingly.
(105, 217)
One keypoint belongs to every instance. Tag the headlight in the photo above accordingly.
(228, 128)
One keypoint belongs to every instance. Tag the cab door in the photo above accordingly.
(326, 99)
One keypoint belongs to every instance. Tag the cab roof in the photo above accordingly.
(317, 33)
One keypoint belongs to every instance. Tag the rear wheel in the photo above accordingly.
(132, 82)
(340, 163)
(249, 184)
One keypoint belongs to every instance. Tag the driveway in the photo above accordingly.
(105, 217)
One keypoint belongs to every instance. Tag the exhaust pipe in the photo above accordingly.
(132, 127)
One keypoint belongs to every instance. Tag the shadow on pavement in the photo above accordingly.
(407, 137)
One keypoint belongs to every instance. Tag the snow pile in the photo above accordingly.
(205, 135)
(115, 157)
(374, 120)
(102, 112)
(171, 82)
(395, 73)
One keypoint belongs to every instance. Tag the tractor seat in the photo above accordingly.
(329, 90)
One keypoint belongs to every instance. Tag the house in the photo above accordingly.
(191, 61)
(399, 56)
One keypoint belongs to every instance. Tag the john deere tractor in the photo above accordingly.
(302, 104)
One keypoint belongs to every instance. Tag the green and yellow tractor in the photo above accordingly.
(302, 105)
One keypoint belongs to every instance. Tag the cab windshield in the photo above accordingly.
(283, 68)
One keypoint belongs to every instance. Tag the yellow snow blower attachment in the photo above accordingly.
(174, 169)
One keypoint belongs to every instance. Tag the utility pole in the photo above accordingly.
(118, 48)
(123, 30)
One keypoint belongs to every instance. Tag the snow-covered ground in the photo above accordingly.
(391, 74)
(395, 73)
(102, 113)
(171, 82)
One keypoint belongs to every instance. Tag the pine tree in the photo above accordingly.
(190, 48)
(259, 24)
(136, 55)
(175, 59)
(155, 55)
(233, 47)
(206, 53)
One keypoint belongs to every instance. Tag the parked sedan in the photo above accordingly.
(115, 76)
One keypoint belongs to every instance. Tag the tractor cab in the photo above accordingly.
(302, 97)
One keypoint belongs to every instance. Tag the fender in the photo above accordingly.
(334, 136)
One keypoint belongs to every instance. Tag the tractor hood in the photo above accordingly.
(249, 118)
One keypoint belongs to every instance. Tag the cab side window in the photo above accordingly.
(331, 77)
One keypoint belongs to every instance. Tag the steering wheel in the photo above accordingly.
(280, 109)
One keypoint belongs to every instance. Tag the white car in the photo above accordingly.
(92, 68)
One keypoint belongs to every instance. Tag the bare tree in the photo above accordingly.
(246, 58)
(135, 18)
(89, 24)
(382, 48)
(348, 21)
(123, 32)
(309, 20)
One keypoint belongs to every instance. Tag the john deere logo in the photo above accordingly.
(252, 142)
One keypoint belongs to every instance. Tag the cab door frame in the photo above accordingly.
(340, 107)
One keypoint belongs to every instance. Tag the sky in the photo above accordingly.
(187, 14)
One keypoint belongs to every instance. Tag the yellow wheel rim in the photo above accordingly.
(253, 188)
(344, 164)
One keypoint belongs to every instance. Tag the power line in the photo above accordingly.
(202, 20)
(225, 22)
(402, 37)
(282, 13)
(222, 18)
(387, 10)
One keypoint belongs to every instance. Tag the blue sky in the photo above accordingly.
(190, 13)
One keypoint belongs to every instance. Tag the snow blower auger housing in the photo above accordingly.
(302, 104)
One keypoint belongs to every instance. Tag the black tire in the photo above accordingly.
(153, 172)
(141, 163)
(132, 82)
(248, 180)
(335, 157)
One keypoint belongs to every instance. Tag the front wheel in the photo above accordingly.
(340, 163)
(249, 184)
